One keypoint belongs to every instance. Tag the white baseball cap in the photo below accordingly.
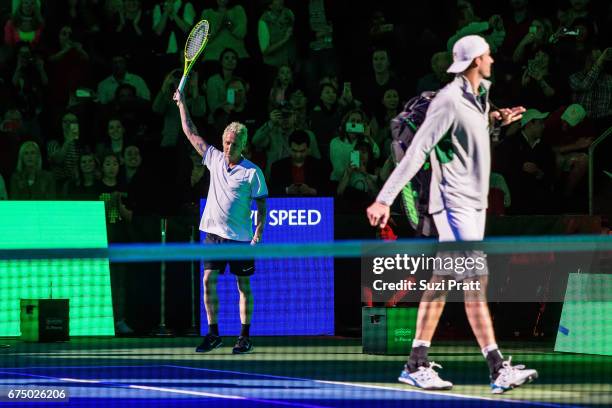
(464, 52)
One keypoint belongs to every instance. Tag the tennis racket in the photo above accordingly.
(193, 49)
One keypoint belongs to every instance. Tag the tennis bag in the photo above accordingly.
(415, 195)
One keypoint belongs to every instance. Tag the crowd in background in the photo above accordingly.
(87, 114)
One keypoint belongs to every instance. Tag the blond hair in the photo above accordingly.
(25, 145)
(238, 129)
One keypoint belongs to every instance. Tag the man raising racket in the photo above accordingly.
(234, 182)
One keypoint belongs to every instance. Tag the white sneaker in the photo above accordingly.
(511, 377)
(425, 378)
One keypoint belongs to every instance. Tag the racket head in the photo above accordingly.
(196, 41)
(198, 37)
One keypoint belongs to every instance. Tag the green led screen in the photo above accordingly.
(86, 282)
(586, 319)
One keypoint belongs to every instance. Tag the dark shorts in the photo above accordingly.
(239, 268)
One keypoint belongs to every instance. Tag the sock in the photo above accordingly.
(244, 330)
(213, 329)
(418, 355)
(494, 358)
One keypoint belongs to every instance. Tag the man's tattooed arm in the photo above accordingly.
(189, 127)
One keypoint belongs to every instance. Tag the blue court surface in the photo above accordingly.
(182, 386)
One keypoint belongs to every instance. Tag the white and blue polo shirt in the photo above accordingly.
(228, 206)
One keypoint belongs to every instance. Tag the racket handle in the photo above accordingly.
(182, 84)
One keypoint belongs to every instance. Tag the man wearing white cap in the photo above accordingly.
(455, 136)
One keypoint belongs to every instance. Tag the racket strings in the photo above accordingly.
(196, 40)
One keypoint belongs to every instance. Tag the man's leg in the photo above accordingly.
(503, 375)
(477, 311)
(246, 299)
(418, 371)
(430, 309)
(469, 225)
(211, 300)
(243, 344)
(211, 303)
(431, 305)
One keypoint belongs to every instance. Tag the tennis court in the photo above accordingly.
(293, 372)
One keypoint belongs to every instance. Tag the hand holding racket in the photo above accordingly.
(193, 49)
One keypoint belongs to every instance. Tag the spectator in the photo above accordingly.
(29, 82)
(113, 192)
(115, 141)
(84, 187)
(537, 84)
(132, 161)
(372, 88)
(499, 198)
(30, 181)
(318, 43)
(162, 105)
(381, 31)
(299, 103)
(592, 87)
(572, 45)
(3, 193)
(136, 175)
(381, 122)
(108, 87)
(110, 190)
(354, 130)
(360, 182)
(172, 21)
(216, 86)
(132, 32)
(327, 114)
(300, 174)
(275, 33)
(249, 114)
(135, 113)
(25, 25)
(273, 136)
(578, 9)
(517, 22)
(68, 68)
(438, 77)
(570, 133)
(228, 27)
(64, 155)
(492, 30)
(465, 14)
(81, 15)
(280, 86)
(194, 184)
(11, 136)
(535, 40)
(528, 166)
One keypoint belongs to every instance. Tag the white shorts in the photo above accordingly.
(461, 224)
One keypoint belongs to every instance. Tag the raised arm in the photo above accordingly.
(188, 126)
